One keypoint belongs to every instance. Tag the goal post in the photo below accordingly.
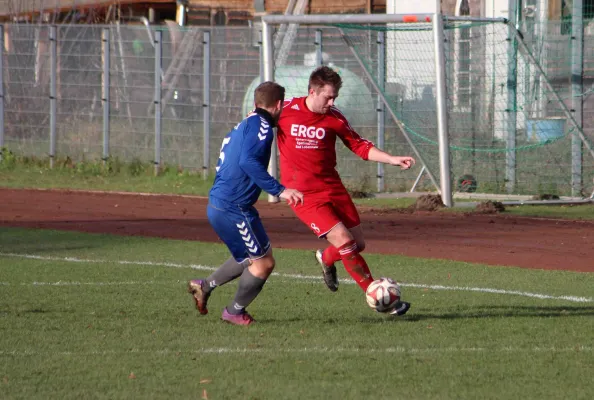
(268, 60)
(470, 98)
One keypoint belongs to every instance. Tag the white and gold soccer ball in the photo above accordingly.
(383, 294)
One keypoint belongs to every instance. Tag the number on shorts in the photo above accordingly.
(222, 154)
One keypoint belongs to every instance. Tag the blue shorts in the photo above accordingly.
(241, 229)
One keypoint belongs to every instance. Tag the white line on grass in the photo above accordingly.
(75, 283)
(501, 291)
(304, 350)
(112, 283)
(575, 299)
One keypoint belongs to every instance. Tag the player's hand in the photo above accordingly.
(292, 196)
(404, 162)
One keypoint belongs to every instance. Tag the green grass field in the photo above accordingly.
(100, 316)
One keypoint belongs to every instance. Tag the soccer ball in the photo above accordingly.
(383, 294)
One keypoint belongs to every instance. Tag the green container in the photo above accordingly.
(545, 129)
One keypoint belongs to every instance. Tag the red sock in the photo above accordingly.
(355, 264)
(331, 255)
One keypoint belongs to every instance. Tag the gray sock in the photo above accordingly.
(249, 288)
(228, 271)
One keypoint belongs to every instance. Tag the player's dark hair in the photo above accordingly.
(322, 76)
(267, 94)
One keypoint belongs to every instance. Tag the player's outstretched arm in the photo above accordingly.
(292, 196)
(377, 155)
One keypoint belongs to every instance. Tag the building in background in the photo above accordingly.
(193, 12)
(237, 12)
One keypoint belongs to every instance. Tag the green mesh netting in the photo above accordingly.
(508, 125)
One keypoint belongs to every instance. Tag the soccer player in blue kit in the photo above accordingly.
(241, 176)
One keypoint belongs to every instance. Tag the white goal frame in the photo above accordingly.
(442, 122)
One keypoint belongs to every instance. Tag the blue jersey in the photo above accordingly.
(242, 169)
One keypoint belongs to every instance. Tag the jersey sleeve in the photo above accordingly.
(349, 137)
(255, 155)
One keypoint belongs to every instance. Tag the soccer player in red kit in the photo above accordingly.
(307, 133)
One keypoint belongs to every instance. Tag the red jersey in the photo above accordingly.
(307, 145)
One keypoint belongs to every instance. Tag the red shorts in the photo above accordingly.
(323, 210)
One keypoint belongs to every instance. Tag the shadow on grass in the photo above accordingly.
(496, 312)
(471, 313)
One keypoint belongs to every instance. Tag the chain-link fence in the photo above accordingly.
(105, 87)
(92, 91)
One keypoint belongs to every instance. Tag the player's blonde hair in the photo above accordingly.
(268, 94)
(322, 76)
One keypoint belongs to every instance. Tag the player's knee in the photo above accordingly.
(270, 264)
(263, 267)
(344, 238)
(340, 237)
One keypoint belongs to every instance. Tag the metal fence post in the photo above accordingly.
(105, 91)
(157, 99)
(53, 33)
(514, 8)
(442, 112)
(268, 62)
(318, 44)
(206, 107)
(1, 89)
(261, 57)
(577, 90)
(381, 116)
